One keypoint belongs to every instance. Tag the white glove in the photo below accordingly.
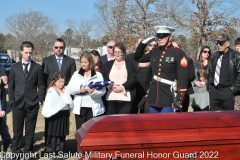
(148, 40)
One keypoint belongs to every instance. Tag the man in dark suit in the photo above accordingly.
(109, 56)
(26, 91)
(58, 62)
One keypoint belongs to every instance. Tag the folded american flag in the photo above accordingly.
(99, 84)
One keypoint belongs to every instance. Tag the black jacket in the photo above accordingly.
(191, 75)
(50, 66)
(131, 79)
(3, 96)
(104, 59)
(26, 91)
(234, 69)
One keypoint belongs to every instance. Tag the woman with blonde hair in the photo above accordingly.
(87, 101)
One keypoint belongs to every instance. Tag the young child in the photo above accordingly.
(201, 95)
(56, 109)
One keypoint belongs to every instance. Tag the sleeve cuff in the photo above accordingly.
(124, 91)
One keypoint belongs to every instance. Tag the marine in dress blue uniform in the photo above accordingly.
(168, 64)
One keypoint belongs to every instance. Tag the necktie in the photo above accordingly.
(25, 69)
(59, 64)
(217, 71)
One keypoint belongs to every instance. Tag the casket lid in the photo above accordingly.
(159, 128)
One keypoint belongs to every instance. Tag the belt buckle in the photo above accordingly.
(158, 78)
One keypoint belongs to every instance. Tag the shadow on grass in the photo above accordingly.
(39, 146)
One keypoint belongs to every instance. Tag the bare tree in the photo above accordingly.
(81, 30)
(110, 17)
(201, 18)
(47, 38)
(68, 34)
(30, 26)
(124, 20)
(144, 16)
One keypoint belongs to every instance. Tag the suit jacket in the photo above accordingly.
(130, 84)
(3, 96)
(50, 67)
(28, 90)
(104, 59)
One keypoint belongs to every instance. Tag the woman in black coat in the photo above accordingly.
(121, 95)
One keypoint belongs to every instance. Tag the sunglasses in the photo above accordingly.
(206, 51)
(60, 47)
(220, 43)
(111, 47)
(154, 45)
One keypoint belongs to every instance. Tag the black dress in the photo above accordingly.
(58, 124)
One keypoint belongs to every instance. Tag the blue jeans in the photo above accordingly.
(160, 110)
(6, 138)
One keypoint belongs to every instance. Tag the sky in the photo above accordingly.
(58, 10)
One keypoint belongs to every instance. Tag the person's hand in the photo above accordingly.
(199, 84)
(202, 83)
(148, 40)
(83, 89)
(89, 90)
(117, 88)
(142, 65)
(2, 113)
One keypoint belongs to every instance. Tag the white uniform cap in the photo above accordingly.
(164, 29)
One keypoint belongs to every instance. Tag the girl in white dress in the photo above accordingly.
(56, 109)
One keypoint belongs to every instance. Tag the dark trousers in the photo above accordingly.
(119, 107)
(221, 99)
(85, 115)
(29, 116)
(196, 109)
(4, 132)
(185, 103)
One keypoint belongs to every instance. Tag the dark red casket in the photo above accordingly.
(197, 135)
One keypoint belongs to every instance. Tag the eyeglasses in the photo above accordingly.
(206, 51)
(60, 47)
(111, 47)
(154, 45)
(221, 43)
(118, 53)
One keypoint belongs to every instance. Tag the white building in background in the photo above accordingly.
(76, 52)
(72, 52)
(102, 50)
